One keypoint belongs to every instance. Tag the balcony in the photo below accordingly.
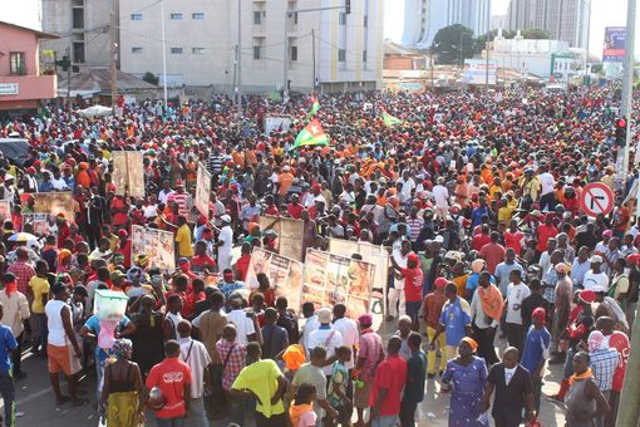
(30, 87)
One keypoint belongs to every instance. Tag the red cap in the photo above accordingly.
(413, 257)
(587, 296)
(441, 282)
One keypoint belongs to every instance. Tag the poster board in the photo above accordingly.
(5, 210)
(203, 190)
(330, 279)
(128, 173)
(39, 222)
(290, 233)
(276, 124)
(52, 203)
(285, 274)
(376, 255)
(156, 244)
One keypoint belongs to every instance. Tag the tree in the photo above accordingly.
(151, 78)
(453, 44)
(536, 34)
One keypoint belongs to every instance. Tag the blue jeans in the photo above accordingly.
(40, 340)
(385, 421)
(170, 422)
(197, 415)
(413, 310)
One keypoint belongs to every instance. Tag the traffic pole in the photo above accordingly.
(622, 158)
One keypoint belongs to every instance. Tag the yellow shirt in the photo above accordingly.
(183, 239)
(504, 214)
(261, 378)
(39, 286)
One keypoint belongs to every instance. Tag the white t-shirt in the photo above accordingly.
(224, 251)
(597, 282)
(244, 325)
(57, 335)
(310, 325)
(508, 374)
(329, 339)
(441, 195)
(547, 182)
(350, 337)
(195, 354)
(515, 295)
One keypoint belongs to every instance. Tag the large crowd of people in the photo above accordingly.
(476, 195)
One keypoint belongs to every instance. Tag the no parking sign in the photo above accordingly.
(596, 199)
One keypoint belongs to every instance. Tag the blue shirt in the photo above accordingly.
(93, 324)
(533, 350)
(454, 319)
(229, 288)
(7, 345)
(474, 279)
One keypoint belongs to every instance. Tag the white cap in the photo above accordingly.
(226, 218)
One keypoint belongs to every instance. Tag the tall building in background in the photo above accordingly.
(424, 18)
(566, 20)
(340, 51)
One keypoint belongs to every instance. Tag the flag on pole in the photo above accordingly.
(312, 134)
(389, 120)
(315, 106)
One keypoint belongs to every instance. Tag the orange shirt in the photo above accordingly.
(285, 179)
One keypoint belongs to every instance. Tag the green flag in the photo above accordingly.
(315, 106)
(389, 120)
(312, 134)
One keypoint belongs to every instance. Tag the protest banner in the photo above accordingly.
(376, 255)
(285, 274)
(128, 173)
(290, 233)
(330, 279)
(157, 245)
(203, 190)
(276, 124)
(52, 203)
(39, 223)
(5, 210)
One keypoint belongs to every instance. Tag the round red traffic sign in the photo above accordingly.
(596, 199)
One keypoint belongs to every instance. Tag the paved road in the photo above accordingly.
(35, 399)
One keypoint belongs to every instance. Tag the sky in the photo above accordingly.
(604, 13)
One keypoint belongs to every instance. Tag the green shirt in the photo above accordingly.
(261, 378)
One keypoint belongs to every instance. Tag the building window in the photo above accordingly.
(197, 50)
(295, 18)
(78, 53)
(366, 20)
(176, 16)
(364, 56)
(136, 50)
(78, 18)
(136, 17)
(294, 53)
(342, 18)
(257, 18)
(176, 50)
(16, 63)
(342, 55)
(197, 15)
(257, 52)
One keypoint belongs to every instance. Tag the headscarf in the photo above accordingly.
(471, 342)
(365, 320)
(492, 301)
(121, 348)
(477, 265)
(10, 288)
(539, 314)
(294, 356)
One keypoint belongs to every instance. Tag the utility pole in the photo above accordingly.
(586, 49)
(68, 50)
(164, 53)
(114, 50)
(486, 77)
(622, 160)
(285, 56)
(238, 92)
(313, 54)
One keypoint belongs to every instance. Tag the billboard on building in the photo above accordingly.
(475, 72)
(615, 39)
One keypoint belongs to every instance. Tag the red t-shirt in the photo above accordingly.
(170, 376)
(391, 374)
(295, 211)
(494, 254)
(242, 266)
(412, 284)
(544, 233)
(512, 240)
(479, 240)
(620, 342)
(202, 262)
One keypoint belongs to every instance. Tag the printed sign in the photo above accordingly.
(5, 210)
(615, 40)
(52, 203)
(203, 190)
(290, 233)
(39, 223)
(157, 245)
(331, 279)
(276, 124)
(376, 255)
(596, 199)
(128, 173)
(285, 274)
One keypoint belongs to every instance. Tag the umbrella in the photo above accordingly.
(22, 237)
(95, 111)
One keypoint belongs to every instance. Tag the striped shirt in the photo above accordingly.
(214, 163)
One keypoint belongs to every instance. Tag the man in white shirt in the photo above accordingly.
(245, 325)
(441, 197)
(547, 183)
(225, 242)
(311, 324)
(16, 311)
(408, 185)
(194, 354)
(326, 337)
(516, 293)
(348, 329)
(594, 279)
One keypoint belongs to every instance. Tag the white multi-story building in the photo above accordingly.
(424, 18)
(341, 51)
